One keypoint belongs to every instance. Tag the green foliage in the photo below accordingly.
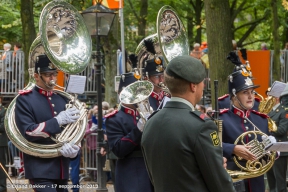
(10, 22)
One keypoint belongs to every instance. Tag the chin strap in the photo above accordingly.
(234, 93)
(50, 85)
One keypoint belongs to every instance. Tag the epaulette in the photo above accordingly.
(224, 110)
(111, 114)
(24, 92)
(201, 115)
(154, 112)
(260, 114)
(223, 97)
(257, 99)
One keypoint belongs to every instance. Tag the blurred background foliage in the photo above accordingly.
(251, 20)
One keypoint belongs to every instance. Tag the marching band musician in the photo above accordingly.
(276, 176)
(39, 114)
(241, 90)
(124, 132)
(183, 152)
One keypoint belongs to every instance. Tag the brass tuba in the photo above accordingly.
(66, 41)
(169, 41)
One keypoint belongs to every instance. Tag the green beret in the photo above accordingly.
(186, 67)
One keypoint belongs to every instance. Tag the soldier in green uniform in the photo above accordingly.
(181, 148)
(3, 148)
(279, 114)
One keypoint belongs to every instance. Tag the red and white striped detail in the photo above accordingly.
(38, 132)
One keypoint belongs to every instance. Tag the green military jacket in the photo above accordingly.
(182, 152)
(3, 136)
(280, 117)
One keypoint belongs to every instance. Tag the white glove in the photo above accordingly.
(93, 127)
(268, 141)
(142, 121)
(68, 116)
(69, 151)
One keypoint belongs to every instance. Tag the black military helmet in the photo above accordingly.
(155, 65)
(125, 80)
(43, 64)
(238, 82)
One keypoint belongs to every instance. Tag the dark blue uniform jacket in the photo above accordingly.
(34, 115)
(124, 140)
(234, 125)
(155, 99)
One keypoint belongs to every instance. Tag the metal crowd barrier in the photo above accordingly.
(12, 73)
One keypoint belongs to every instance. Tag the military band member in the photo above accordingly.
(124, 139)
(241, 90)
(279, 114)
(39, 114)
(183, 152)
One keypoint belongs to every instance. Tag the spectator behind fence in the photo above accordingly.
(7, 60)
(264, 47)
(17, 58)
(196, 52)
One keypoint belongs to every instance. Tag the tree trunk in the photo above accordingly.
(198, 11)
(28, 31)
(110, 47)
(276, 41)
(142, 20)
(219, 36)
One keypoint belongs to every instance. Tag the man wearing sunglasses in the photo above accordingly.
(40, 114)
(153, 72)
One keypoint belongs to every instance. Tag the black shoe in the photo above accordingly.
(3, 189)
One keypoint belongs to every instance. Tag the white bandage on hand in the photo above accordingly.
(268, 141)
(69, 151)
(68, 116)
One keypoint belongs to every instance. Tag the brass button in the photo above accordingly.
(247, 128)
(53, 105)
(55, 112)
(49, 98)
(249, 135)
(245, 121)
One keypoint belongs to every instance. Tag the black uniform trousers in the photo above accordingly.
(49, 185)
(276, 176)
(3, 177)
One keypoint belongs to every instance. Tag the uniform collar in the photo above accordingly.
(157, 96)
(129, 111)
(43, 92)
(179, 99)
(240, 112)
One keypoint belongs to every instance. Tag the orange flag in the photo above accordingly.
(113, 4)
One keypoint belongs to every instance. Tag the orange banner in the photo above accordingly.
(113, 4)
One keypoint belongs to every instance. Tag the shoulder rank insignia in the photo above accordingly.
(111, 114)
(223, 97)
(24, 92)
(260, 114)
(224, 110)
(215, 139)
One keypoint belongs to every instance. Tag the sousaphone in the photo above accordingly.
(170, 40)
(65, 39)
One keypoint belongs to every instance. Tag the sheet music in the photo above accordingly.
(76, 84)
(277, 88)
(163, 102)
(279, 146)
